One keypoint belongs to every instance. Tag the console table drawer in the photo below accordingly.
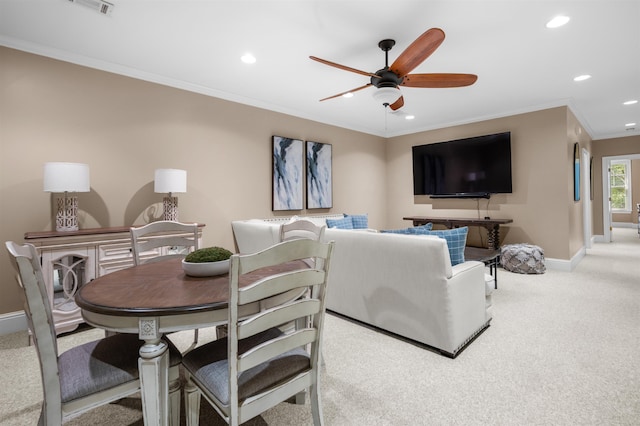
(105, 268)
(113, 252)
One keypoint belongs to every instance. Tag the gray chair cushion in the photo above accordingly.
(102, 364)
(209, 365)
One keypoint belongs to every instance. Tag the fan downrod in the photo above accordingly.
(386, 78)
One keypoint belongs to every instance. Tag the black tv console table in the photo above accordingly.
(492, 225)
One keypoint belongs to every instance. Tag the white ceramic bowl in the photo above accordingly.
(205, 269)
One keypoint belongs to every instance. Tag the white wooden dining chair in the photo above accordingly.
(258, 365)
(88, 375)
(301, 228)
(164, 239)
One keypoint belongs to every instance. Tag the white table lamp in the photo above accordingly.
(170, 181)
(65, 178)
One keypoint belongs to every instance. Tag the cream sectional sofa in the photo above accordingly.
(404, 284)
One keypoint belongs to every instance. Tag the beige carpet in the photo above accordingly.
(561, 350)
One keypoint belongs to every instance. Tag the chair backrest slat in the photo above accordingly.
(274, 285)
(301, 228)
(162, 234)
(277, 316)
(275, 347)
(303, 249)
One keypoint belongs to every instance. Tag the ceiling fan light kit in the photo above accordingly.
(387, 95)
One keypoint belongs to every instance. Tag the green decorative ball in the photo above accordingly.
(208, 254)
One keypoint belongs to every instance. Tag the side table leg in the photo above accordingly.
(495, 272)
(493, 237)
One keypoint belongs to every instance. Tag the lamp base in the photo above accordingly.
(67, 214)
(170, 205)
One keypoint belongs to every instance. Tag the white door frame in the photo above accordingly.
(606, 207)
(586, 204)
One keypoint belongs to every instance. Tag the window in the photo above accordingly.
(620, 186)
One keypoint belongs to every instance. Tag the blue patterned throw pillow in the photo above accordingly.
(344, 223)
(422, 229)
(359, 221)
(456, 241)
(416, 230)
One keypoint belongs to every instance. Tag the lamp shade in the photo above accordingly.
(66, 177)
(386, 95)
(170, 180)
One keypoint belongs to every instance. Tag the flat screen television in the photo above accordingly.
(464, 168)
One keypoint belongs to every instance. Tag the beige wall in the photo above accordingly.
(541, 204)
(611, 148)
(126, 128)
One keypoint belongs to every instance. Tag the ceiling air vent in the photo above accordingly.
(99, 6)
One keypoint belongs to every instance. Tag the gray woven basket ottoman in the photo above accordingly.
(522, 258)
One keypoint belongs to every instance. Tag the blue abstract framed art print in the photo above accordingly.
(319, 186)
(288, 173)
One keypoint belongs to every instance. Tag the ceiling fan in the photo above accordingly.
(387, 79)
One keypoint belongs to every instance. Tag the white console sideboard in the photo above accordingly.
(71, 259)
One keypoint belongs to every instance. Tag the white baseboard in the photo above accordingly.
(566, 265)
(558, 264)
(624, 225)
(13, 322)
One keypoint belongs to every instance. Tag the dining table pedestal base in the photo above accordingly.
(156, 389)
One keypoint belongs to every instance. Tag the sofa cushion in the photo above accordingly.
(456, 241)
(405, 231)
(359, 221)
(344, 223)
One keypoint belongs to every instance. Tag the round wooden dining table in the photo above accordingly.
(157, 298)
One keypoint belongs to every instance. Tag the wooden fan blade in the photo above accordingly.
(348, 91)
(418, 51)
(397, 104)
(342, 67)
(439, 80)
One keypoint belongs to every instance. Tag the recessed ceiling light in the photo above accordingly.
(410, 117)
(558, 21)
(582, 77)
(630, 124)
(631, 102)
(348, 95)
(98, 5)
(248, 58)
